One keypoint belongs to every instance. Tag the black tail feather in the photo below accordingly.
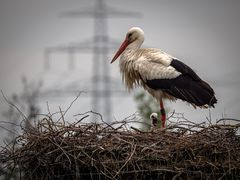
(184, 87)
(198, 93)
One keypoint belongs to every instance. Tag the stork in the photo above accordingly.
(162, 75)
(154, 119)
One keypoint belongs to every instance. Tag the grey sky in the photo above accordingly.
(202, 33)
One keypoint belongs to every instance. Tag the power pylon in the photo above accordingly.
(99, 45)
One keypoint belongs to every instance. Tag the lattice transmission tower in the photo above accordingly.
(99, 45)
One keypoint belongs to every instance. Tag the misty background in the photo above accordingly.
(204, 34)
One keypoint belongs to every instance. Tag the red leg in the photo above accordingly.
(163, 113)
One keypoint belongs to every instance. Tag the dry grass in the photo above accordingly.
(185, 150)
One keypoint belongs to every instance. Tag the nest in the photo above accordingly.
(184, 150)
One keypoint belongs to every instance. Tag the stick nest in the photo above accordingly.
(184, 150)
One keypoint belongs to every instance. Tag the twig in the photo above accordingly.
(13, 105)
(227, 119)
(71, 104)
(129, 158)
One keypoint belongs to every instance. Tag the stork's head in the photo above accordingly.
(134, 39)
(154, 119)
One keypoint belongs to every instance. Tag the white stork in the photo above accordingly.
(154, 119)
(161, 74)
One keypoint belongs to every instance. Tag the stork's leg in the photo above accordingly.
(163, 113)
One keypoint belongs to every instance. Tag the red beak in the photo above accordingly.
(120, 50)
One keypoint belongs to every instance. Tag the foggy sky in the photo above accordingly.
(202, 33)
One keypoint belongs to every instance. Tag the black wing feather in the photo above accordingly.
(184, 69)
(188, 86)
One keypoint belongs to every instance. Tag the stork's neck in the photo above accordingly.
(135, 44)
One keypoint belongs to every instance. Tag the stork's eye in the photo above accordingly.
(129, 35)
